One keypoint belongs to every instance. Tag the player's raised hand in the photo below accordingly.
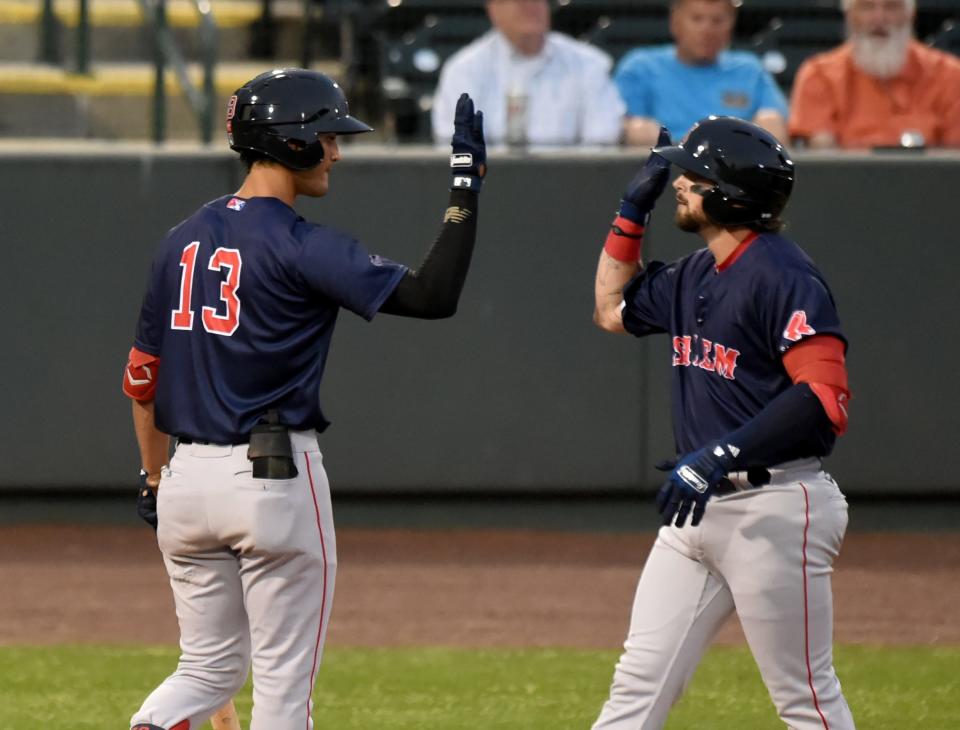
(692, 482)
(468, 162)
(647, 185)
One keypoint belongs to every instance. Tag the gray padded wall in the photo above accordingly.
(519, 390)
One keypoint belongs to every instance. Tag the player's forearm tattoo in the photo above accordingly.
(614, 275)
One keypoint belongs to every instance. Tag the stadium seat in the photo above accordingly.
(410, 67)
(618, 35)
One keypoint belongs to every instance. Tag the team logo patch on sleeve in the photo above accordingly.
(236, 204)
(797, 327)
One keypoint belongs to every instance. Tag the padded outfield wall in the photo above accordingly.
(519, 391)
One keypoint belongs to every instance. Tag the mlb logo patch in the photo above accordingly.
(236, 204)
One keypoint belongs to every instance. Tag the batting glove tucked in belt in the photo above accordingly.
(692, 481)
(146, 502)
(468, 163)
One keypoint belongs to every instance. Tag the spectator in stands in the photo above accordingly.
(677, 85)
(880, 88)
(534, 86)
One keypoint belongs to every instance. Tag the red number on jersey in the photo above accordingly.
(217, 324)
(225, 324)
(182, 318)
(797, 327)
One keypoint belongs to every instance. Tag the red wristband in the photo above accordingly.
(624, 240)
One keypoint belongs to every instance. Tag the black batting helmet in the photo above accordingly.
(752, 170)
(281, 114)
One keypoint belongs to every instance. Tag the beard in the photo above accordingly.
(883, 58)
(688, 222)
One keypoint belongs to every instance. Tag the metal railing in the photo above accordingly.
(167, 52)
(50, 31)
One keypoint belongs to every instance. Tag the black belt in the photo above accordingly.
(757, 476)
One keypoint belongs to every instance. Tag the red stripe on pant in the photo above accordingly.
(323, 603)
(806, 612)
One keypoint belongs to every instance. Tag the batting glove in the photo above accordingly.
(468, 163)
(647, 185)
(693, 481)
(147, 502)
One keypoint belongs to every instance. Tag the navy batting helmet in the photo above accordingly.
(281, 114)
(751, 169)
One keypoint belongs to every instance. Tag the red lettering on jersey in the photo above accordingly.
(726, 360)
(712, 356)
(681, 349)
(182, 318)
(225, 324)
(797, 327)
(705, 362)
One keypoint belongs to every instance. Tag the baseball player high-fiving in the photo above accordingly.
(751, 522)
(228, 357)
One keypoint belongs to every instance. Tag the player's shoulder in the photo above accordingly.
(578, 53)
(321, 234)
(693, 263)
(201, 218)
(782, 257)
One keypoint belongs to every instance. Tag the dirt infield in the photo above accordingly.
(82, 584)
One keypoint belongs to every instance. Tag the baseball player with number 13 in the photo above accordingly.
(759, 389)
(229, 352)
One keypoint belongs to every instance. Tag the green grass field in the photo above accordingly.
(98, 688)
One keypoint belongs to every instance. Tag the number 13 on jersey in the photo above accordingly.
(216, 324)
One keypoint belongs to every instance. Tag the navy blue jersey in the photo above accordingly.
(729, 330)
(241, 305)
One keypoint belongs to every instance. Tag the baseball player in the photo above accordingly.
(759, 390)
(226, 717)
(228, 356)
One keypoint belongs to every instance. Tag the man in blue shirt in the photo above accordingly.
(677, 85)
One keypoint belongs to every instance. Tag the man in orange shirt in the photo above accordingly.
(880, 88)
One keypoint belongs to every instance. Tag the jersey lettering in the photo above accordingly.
(705, 362)
(182, 318)
(725, 360)
(225, 324)
(216, 324)
(797, 327)
(681, 349)
(713, 356)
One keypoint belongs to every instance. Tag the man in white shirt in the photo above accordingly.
(535, 86)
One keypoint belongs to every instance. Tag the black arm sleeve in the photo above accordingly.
(792, 426)
(432, 291)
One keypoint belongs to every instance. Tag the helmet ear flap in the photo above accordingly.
(715, 205)
(294, 151)
(732, 209)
